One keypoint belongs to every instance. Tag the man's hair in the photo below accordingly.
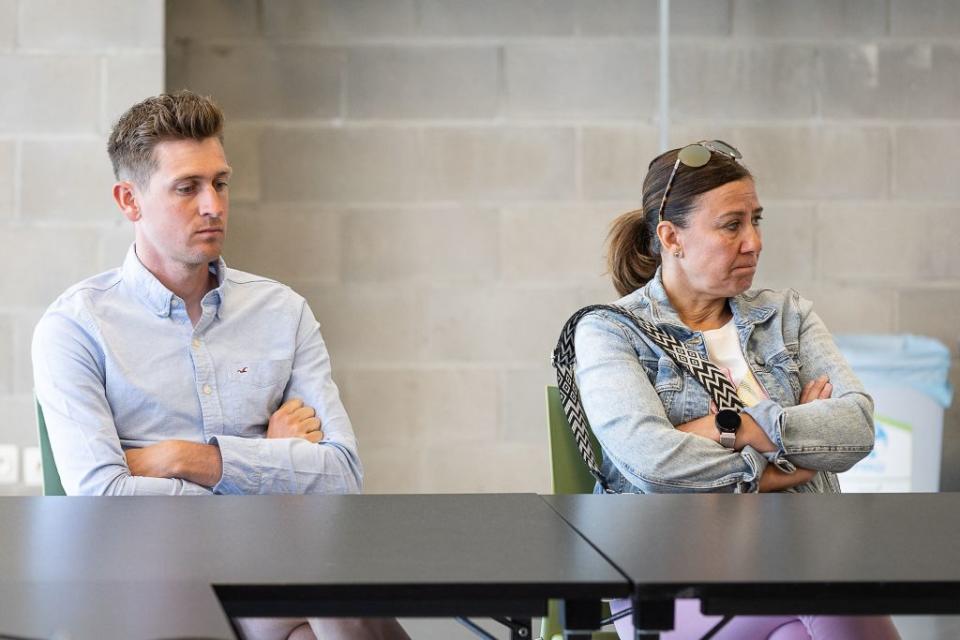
(169, 116)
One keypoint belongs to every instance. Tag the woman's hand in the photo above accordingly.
(817, 389)
(773, 479)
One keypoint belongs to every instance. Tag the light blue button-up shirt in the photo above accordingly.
(118, 364)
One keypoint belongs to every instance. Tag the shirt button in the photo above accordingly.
(758, 360)
(196, 343)
(207, 389)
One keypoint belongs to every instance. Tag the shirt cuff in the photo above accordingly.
(240, 475)
(758, 464)
(769, 415)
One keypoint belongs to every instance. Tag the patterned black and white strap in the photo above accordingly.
(713, 379)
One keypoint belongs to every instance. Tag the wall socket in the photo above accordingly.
(9, 464)
(32, 467)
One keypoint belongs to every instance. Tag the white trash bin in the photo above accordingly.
(907, 377)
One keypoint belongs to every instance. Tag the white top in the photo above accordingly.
(723, 350)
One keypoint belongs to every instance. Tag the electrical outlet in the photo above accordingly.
(9, 463)
(32, 467)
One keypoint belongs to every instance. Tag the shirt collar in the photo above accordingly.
(662, 312)
(157, 297)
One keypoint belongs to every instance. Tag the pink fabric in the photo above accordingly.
(692, 625)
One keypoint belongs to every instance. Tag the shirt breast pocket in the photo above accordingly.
(254, 391)
(669, 383)
(782, 375)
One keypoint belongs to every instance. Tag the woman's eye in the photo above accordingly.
(756, 221)
(733, 226)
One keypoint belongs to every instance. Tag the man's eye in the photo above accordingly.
(756, 221)
(185, 189)
(221, 185)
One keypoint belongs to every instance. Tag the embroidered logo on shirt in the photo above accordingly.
(244, 370)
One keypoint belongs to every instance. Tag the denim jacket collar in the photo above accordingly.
(157, 297)
(745, 313)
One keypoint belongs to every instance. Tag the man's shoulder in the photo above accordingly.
(261, 288)
(89, 290)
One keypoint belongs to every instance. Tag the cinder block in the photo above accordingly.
(284, 242)
(377, 164)
(851, 308)
(45, 263)
(615, 160)
(6, 354)
(130, 79)
(788, 257)
(772, 81)
(924, 18)
(241, 143)
(816, 162)
(458, 405)
(891, 81)
(53, 93)
(262, 81)
(114, 242)
(898, 243)
(925, 161)
(18, 416)
(8, 24)
(212, 19)
(932, 312)
(384, 407)
(517, 325)
(422, 82)
(8, 158)
(498, 164)
(550, 244)
(421, 246)
(391, 469)
(82, 190)
(368, 324)
(642, 18)
(24, 322)
(523, 404)
(486, 468)
(498, 18)
(592, 78)
(91, 24)
(812, 18)
(337, 20)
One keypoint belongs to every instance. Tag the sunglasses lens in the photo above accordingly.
(694, 155)
(723, 147)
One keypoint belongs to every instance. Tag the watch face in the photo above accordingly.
(727, 420)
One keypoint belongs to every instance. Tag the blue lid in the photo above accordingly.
(899, 359)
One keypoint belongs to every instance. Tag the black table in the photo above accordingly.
(167, 567)
(778, 553)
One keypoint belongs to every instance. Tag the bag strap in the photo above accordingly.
(564, 360)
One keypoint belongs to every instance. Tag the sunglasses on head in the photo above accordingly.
(696, 155)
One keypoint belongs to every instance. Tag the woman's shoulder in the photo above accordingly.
(781, 299)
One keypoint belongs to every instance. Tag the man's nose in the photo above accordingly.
(212, 203)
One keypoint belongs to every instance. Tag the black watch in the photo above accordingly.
(727, 421)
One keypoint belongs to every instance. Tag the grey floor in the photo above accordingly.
(910, 627)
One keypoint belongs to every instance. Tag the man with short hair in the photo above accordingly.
(177, 375)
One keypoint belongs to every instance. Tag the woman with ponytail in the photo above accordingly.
(685, 263)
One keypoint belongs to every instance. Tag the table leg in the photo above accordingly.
(580, 618)
(650, 617)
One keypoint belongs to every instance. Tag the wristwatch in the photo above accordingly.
(727, 421)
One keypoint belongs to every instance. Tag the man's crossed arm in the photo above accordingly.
(202, 464)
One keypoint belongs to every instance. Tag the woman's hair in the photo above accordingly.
(179, 116)
(633, 247)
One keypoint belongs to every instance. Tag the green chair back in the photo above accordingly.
(51, 478)
(570, 475)
(570, 472)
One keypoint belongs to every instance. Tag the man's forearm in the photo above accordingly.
(199, 463)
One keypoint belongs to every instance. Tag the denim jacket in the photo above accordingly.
(634, 395)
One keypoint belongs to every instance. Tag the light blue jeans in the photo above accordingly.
(691, 624)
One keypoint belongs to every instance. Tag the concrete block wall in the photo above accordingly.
(68, 69)
(437, 177)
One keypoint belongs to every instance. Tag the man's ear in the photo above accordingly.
(124, 193)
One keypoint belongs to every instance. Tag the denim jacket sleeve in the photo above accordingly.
(827, 435)
(629, 420)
